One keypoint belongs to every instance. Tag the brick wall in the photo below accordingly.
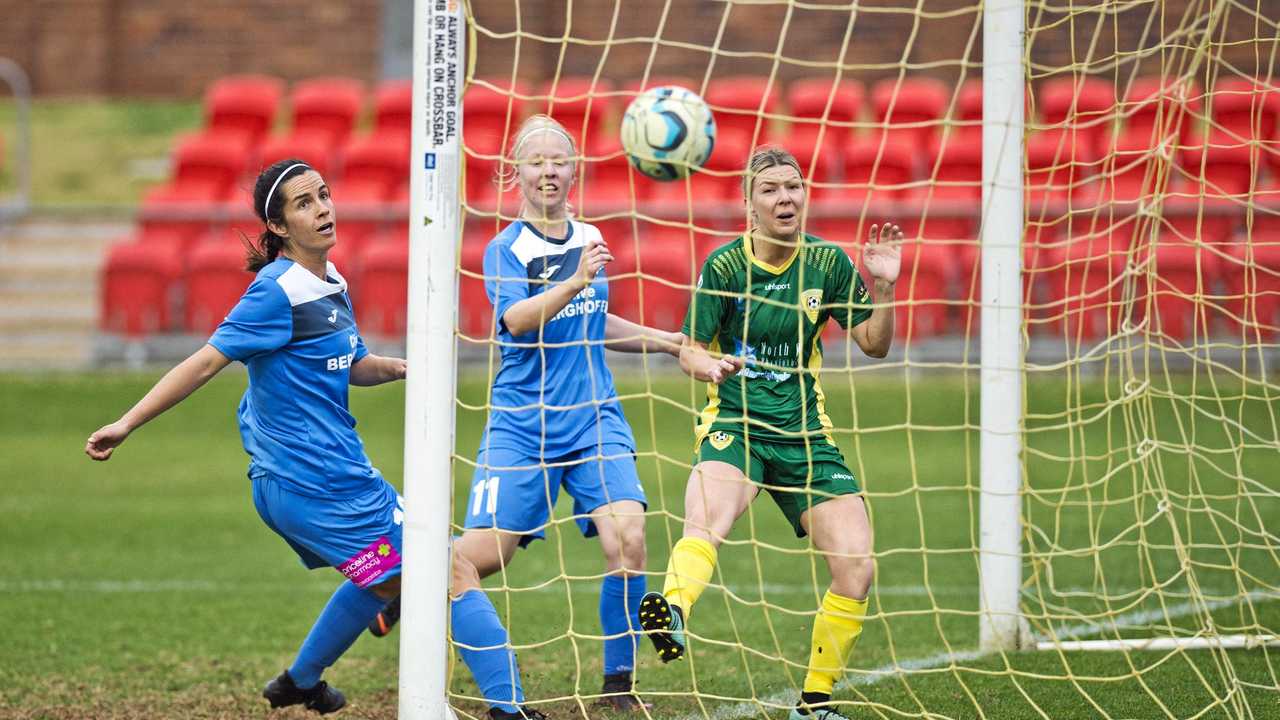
(174, 48)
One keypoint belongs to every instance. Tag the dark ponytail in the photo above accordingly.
(269, 244)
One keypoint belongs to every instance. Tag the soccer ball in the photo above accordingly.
(667, 131)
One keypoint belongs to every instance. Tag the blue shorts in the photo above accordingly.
(514, 490)
(361, 537)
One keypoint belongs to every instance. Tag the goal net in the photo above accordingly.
(1146, 407)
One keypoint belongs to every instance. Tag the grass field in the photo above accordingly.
(148, 588)
(91, 152)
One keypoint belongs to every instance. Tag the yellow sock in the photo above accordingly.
(835, 630)
(688, 572)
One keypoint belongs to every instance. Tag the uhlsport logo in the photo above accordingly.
(812, 302)
(720, 439)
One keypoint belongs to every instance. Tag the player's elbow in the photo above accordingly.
(878, 352)
(518, 323)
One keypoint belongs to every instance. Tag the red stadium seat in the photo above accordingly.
(1157, 106)
(475, 313)
(742, 104)
(581, 104)
(926, 294)
(633, 88)
(1056, 167)
(818, 164)
(492, 113)
(809, 99)
(393, 108)
(876, 170)
(874, 176)
(949, 204)
(910, 109)
(1184, 275)
(206, 166)
(1253, 284)
(1244, 108)
(243, 105)
(969, 110)
(654, 287)
(215, 280)
(311, 149)
(605, 183)
(138, 288)
(1085, 283)
(165, 212)
(384, 289)
(1225, 170)
(1128, 174)
(373, 167)
(327, 107)
(1086, 104)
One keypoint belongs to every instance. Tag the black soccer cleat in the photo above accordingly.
(386, 619)
(282, 692)
(664, 624)
(524, 713)
(617, 694)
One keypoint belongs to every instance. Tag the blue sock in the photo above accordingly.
(474, 622)
(619, 605)
(340, 623)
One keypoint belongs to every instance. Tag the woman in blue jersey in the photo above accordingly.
(312, 482)
(555, 419)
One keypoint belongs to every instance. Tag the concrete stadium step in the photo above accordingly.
(49, 290)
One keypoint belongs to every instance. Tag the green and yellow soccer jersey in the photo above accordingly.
(773, 318)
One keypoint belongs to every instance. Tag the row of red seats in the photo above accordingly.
(1072, 286)
(746, 105)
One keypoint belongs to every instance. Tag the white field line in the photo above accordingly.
(788, 698)
(580, 587)
(748, 592)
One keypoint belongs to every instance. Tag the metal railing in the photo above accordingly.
(17, 205)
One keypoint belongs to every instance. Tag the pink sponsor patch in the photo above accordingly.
(370, 564)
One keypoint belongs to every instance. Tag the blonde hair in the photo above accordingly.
(763, 158)
(506, 174)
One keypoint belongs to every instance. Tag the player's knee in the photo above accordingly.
(464, 575)
(633, 554)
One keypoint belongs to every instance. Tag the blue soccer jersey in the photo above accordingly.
(298, 337)
(554, 394)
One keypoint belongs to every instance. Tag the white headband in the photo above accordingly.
(267, 203)
(544, 128)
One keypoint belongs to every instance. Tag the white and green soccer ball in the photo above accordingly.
(667, 132)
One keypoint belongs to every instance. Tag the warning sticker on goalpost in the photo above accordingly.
(445, 67)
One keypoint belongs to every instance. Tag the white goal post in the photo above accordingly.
(439, 71)
(1001, 626)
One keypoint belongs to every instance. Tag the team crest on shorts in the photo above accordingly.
(720, 439)
(812, 301)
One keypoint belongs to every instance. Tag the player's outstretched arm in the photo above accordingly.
(170, 390)
(882, 258)
(625, 336)
(532, 313)
(377, 369)
(699, 364)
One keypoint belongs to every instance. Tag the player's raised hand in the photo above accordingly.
(594, 256)
(724, 368)
(105, 440)
(882, 255)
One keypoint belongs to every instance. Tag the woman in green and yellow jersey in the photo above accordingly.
(753, 334)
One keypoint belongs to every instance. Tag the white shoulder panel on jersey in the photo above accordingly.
(529, 246)
(303, 287)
